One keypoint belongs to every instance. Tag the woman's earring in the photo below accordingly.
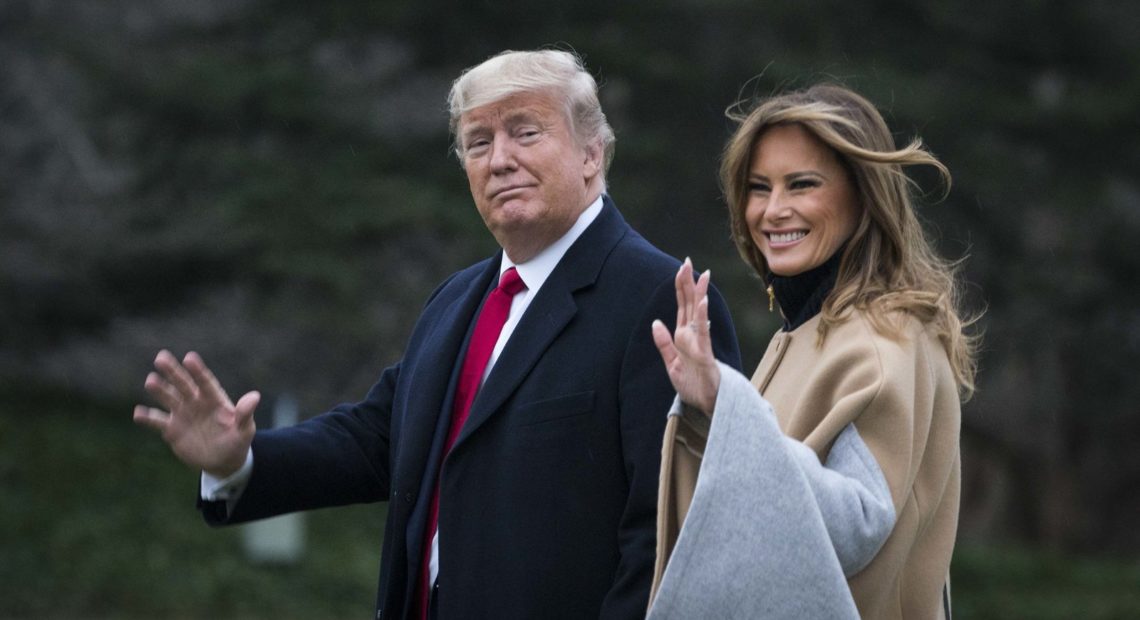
(771, 299)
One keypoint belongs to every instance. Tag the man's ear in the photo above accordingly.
(594, 159)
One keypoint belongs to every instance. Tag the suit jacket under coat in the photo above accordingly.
(548, 498)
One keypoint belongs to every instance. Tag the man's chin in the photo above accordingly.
(522, 240)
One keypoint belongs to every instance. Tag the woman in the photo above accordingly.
(840, 460)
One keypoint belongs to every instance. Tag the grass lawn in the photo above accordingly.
(97, 520)
(1011, 583)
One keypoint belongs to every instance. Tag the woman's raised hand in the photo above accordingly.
(687, 352)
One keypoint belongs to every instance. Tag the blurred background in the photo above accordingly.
(271, 184)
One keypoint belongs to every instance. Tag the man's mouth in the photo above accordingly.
(510, 188)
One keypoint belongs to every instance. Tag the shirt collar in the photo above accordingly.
(535, 271)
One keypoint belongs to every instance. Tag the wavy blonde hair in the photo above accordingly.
(889, 266)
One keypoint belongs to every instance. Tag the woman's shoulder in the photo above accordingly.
(896, 328)
(873, 347)
(898, 341)
(858, 344)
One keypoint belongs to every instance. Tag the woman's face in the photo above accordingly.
(801, 204)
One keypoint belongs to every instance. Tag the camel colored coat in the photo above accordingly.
(901, 397)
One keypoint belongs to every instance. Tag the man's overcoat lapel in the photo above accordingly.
(429, 406)
(546, 317)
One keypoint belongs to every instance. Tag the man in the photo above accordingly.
(532, 495)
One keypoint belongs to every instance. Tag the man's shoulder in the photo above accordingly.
(459, 282)
(629, 246)
(635, 252)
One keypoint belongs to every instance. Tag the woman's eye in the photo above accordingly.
(803, 184)
(758, 187)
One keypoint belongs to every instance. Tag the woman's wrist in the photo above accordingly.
(712, 386)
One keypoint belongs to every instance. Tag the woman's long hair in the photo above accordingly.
(888, 265)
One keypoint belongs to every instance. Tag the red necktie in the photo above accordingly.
(489, 325)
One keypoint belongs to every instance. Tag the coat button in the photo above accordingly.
(379, 614)
(408, 497)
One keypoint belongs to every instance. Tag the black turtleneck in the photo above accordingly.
(801, 296)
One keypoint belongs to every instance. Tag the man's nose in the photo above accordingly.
(502, 155)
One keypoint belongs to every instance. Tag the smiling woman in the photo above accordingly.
(839, 461)
(801, 203)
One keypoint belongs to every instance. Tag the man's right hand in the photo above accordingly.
(199, 423)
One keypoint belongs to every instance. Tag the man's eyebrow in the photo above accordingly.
(472, 128)
(521, 116)
(522, 113)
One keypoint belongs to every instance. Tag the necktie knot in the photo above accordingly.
(510, 282)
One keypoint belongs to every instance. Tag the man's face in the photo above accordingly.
(528, 175)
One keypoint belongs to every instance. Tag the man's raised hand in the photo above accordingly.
(197, 419)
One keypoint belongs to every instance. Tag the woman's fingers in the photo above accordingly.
(687, 351)
(691, 336)
(701, 315)
(683, 282)
(664, 341)
(689, 292)
(701, 288)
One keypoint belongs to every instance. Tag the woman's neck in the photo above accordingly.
(801, 296)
